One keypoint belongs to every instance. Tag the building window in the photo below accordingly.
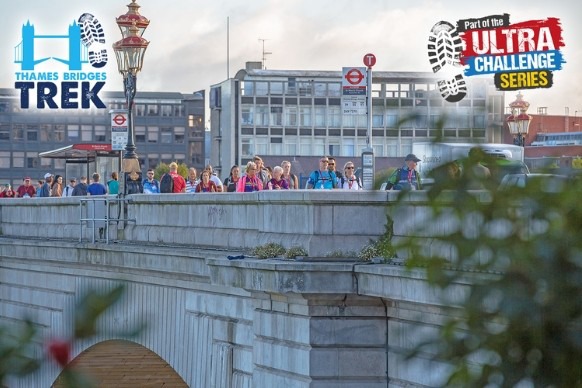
(291, 116)
(4, 134)
(318, 146)
(18, 159)
(166, 110)
(276, 88)
(276, 115)
(179, 158)
(140, 134)
(86, 133)
(247, 115)
(349, 147)
(140, 109)
(333, 149)
(247, 148)
(100, 134)
(18, 132)
(59, 133)
(31, 135)
(179, 135)
(335, 117)
(334, 89)
(320, 116)
(153, 160)
(262, 145)
(166, 135)
(4, 159)
(262, 115)
(247, 88)
(262, 88)
(290, 148)
(73, 133)
(153, 110)
(305, 146)
(32, 161)
(305, 116)
(153, 134)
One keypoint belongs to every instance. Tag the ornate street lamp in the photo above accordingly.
(129, 52)
(518, 121)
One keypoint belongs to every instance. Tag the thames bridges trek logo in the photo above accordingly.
(76, 88)
(520, 56)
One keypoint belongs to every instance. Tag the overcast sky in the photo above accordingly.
(188, 49)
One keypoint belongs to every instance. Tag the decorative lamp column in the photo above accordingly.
(518, 121)
(129, 52)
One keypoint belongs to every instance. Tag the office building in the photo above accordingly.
(168, 127)
(292, 114)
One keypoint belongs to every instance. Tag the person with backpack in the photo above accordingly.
(349, 181)
(81, 187)
(232, 180)
(322, 179)
(172, 182)
(406, 177)
(291, 179)
(150, 184)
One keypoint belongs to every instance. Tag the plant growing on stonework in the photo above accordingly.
(269, 250)
(294, 252)
(382, 247)
(518, 254)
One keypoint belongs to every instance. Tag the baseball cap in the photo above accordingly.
(26, 178)
(73, 179)
(47, 175)
(411, 157)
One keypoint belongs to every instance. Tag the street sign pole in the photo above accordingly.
(368, 151)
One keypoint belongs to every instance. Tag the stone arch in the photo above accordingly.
(121, 363)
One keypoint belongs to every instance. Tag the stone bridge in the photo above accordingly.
(214, 322)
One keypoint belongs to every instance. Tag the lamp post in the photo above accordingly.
(129, 52)
(518, 121)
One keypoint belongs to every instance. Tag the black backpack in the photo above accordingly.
(167, 183)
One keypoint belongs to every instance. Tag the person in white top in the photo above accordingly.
(215, 179)
(68, 190)
(349, 181)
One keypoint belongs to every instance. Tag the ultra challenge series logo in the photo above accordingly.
(521, 56)
(78, 87)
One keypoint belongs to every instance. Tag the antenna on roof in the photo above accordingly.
(265, 53)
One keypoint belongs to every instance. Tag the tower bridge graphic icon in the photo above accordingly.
(86, 44)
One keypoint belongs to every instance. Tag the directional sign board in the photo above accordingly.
(354, 105)
(354, 84)
(119, 132)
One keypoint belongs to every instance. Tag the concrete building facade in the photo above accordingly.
(288, 113)
(168, 127)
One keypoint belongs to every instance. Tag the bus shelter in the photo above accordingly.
(84, 159)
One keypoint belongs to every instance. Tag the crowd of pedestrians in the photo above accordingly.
(255, 177)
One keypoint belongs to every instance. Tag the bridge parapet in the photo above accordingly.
(319, 221)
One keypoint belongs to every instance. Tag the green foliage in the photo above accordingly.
(18, 342)
(522, 315)
(338, 253)
(163, 168)
(16, 350)
(294, 252)
(269, 250)
(577, 163)
(382, 247)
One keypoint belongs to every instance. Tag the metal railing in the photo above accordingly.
(98, 212)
